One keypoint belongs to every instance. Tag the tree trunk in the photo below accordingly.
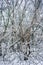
(0, 50)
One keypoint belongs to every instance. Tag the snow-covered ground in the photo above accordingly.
(35, 58)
